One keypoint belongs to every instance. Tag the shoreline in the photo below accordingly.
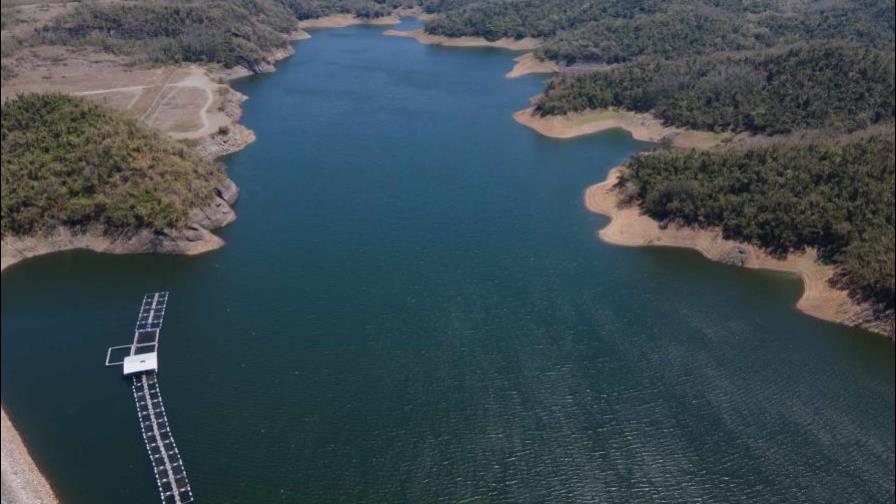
(643, 127)
(631, 228)
(220, 135)
(525, 44)
(22, 482)
(195, 238)
(345, 20)
(528, 64)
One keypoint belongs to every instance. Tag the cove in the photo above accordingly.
(413, 307)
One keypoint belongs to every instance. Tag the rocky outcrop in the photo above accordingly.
(231, 138)
(194, 238)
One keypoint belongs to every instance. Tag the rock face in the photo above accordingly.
(195, 238)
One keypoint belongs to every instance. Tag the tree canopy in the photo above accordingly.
(820, 85)
(67, 162)
(836, 197)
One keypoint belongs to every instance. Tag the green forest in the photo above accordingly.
(820, 85)
(67, 162)
(614, 31)
(834, 196)
(229, 32)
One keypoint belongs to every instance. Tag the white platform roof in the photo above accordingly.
(140, 363)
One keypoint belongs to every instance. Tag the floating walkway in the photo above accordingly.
(166, 462)
(139, 361)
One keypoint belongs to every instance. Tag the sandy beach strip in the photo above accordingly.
(629, 227)
(529, 64)
(22, 482)
(644, 127)
(525, 44)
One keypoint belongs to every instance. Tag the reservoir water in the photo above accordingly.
(413, 307)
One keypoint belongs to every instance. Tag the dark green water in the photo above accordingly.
(413, 307)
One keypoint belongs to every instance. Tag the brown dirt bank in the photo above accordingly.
(629, 227)
(529, 64)
(21, 481)
(343, 20)
(644, 127)
(526, 44)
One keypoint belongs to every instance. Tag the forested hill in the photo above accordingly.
(834, 196)
(613, 31)
(820, 85)
(813, 69)
(229, 32)
(242, 32)
(69, 163)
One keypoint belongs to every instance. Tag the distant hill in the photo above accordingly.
(229, 32)
(616, 31)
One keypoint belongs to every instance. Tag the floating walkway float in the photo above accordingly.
(139, 361)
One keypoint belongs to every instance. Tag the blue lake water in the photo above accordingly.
(413, 307)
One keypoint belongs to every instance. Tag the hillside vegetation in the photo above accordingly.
(830, 85)
(836, 197)
(229, 32)
(70, 163)
(613, 31)
(807, 69)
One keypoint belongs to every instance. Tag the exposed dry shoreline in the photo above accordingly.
(343, 20)
(629, 227)
(644, 127)
(529, 64)
(526, 44)
(22, 483)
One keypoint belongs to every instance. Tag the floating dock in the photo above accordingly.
(139, 361)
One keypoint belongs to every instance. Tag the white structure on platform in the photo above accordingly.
(140, 356)
(140, 363)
